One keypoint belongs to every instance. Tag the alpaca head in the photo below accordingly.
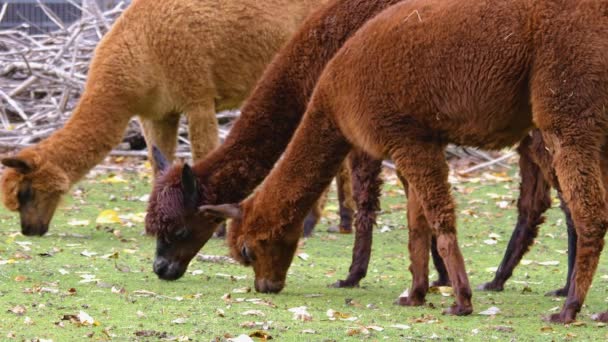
(181, 230)
(253, 242)
(33, 187)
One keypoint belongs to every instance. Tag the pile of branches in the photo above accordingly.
(43, 75)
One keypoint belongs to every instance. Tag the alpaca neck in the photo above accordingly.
(276, 105)
(311, 161)
(96, 125)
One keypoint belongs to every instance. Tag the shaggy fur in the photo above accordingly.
(159, 59)
(257, 140)
(426, 73)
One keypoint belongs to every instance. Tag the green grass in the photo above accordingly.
(43, 277)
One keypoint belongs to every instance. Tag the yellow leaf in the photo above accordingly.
(114, 179)
(107, 217)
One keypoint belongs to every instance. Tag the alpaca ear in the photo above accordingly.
(161, 163)
(189, 187)
(19, 164)
(232, 211)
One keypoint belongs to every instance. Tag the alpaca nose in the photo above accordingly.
(268, 286)
(34, 229)
(167, 270)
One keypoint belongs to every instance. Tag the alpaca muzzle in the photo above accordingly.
(269, 286)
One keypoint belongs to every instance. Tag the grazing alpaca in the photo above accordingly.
(257, 140)
(426, 73)
(159, 59)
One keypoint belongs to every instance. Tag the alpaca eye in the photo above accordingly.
(25, 195)
(182, 234)
(246, 254)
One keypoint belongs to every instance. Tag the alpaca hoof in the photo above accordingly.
(458, 310)
(340, 229)
(344, 230)
(562, 317)
(441, 282)
(601, 317)
(344, 284)
(410, 301)
(490, 287)
(563, 292)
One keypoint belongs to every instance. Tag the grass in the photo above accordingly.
(105, 271)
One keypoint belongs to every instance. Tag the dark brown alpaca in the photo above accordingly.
(257, 140)
(426, 73)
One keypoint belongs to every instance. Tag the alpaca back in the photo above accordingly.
(169, 54)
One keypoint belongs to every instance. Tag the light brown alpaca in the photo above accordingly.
(160, 58)
(425, 73)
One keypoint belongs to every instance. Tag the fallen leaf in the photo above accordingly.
(108, 216)
(85, 318)
(491, 311)
(264, 336)
(246, 289)
(301, 314)
(180, 320)
(401, 326)
(549, 263)
(87, 253)
(241, 338)
(333, 315)
(18, 310)
(253, 313)
(303, 256)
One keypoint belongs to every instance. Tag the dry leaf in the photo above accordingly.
(303, 256)
(18, 310)
(87, 253)
(179, 321)
(253, 313)
(108, 216)
(548, 263)
(401, 326)
(301, 314)
(241, 338)
(492, 311)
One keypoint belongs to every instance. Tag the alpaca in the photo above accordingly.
(258, 138)
(426, 73)
(203, 58)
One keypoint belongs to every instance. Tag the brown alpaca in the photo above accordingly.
(257, 140)
(426, 73)
(159, 59)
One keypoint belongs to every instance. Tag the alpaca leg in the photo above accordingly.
(533, 201)
(578, 170)
(571, 250)
(419, 242)
(314, 215)
(424, 166)
(367, 185)
(346, 203)
(202, 129)
(162, 134)
(442, 272)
